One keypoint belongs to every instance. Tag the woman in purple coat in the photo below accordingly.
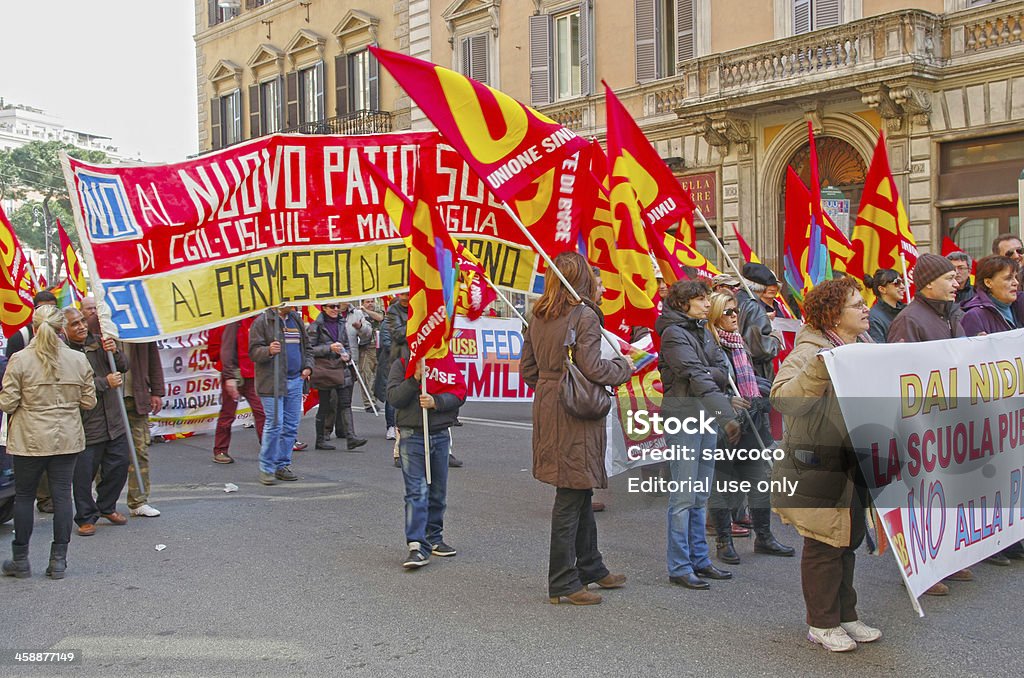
(997, 306)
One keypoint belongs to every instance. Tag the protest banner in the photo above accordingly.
(184, 247)
(192, 400)
(939, 435)
(489, 351)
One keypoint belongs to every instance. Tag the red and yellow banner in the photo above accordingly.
(183, 247)
(71, 265)
(16, 282)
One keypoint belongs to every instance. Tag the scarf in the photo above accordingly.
(1004, 310)
(863, 338)
(331, 325)
(746, 382)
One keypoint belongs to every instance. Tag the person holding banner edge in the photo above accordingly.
(827, 506)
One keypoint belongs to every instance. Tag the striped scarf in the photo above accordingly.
(836, 341)
(746, 382)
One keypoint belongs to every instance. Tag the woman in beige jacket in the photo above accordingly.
(45, 387)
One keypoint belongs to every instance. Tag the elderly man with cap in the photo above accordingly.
(756, 317)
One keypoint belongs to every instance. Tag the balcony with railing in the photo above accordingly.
(357, 122)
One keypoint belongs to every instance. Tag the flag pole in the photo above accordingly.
(551, 264)
(906, 282)
(721, 248)
(426, 425)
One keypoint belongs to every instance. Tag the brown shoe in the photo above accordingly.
(581, 597)
(962, 575)
(223, 459)
(116, 518)
(938, 589)
(598, 506)
(612, 581)
(86, 529)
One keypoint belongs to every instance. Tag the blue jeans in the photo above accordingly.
(687, 543)
(389, 415)
(424, 504)
(280, 432)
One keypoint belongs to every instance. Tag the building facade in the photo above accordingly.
(723, 88)
(20, 125)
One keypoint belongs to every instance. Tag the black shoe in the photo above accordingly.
(772, 547)
(712, 572)
(1014, 551)
(443, 550)
(998, 559)
(353, 443)
(45, 505)
(456, 422)
(398, 463)
(453, 462)
(416, 559)
(321, 445)
(727, 552)
(691, 581)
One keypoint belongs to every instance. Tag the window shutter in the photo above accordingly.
(238, 115)
(213, 12)
(801, 16)
(465, 57)
(321, 110)
(479, 68)
(279, 100)
(291, 88)
(254, 111)
(646, 41)
(215, 139)
(684, 30)
(540, 59)
(374, 83)
(827, 13)
(586, 29)
(341, 85)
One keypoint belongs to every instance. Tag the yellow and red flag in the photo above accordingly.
(72, 266)
(475, 294)
(16, 282)
(664, 202)
(881, 236)
(746, 251)
(532, 163)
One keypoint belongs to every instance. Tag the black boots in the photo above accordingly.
(766, 541)
(18, 567)
(58, 561)
(349, 430)
(726, 551)
(722, 519)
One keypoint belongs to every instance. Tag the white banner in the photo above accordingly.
(489, 351)
(192, 403)
(939, 430)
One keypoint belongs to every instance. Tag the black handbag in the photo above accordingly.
(330, 372)
(581, 397)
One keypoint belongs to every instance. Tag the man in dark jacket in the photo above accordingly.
(393, 329)
(933, 314)
(280, 352)
(756, 320)
(144, 395)
(106, 438)
(425, 504)
(962, 264)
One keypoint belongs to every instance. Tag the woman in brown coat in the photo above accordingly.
(827, 507)
(569, 452)
(44, 388)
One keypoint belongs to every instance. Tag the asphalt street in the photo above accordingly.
(305, 578)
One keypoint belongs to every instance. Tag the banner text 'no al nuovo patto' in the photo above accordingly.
(284, 218)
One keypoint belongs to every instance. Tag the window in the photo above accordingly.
(475, 58)
(664, 36)
(311, 94)
(356, 78)
(813, 15)
(226, 119)
(265, 108)
(219, 15)
(560, 55)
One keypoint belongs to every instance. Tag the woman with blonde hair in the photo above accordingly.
(723, 320)
(568, 452)
(45, 387)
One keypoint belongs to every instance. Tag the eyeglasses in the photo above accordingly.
(332, 306)
(730, 312)
(897, 281)
(860, 305)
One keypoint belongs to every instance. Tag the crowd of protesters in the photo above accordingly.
(721, 353)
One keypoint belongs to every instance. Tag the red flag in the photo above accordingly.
(881, 236)
(507, 143)
(664, 202)
(948, 247)
(475, 294)
(16, 283)
(748, 254)
(71, 264)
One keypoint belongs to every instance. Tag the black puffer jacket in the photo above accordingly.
(694, 371)
(320, 341)
(756, 328)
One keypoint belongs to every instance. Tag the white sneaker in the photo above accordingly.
(861, 632)
(834, 639)
(145, 511)
(390, 435)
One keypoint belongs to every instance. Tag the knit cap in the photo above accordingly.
(929, 267)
